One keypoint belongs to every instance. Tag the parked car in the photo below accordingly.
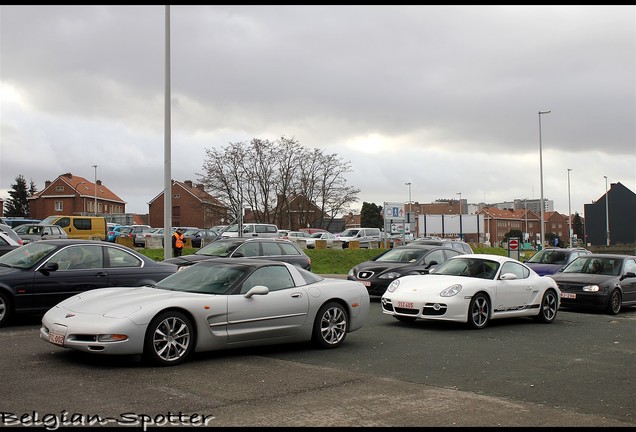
(200, 237)
(213, 305)
(364, 236)
(295, 235)
(551, 260)
(154, 233)
(136, 234)
(11, 233)
(38, 275)
(473, 289)
(320, 235)
(603, 281)
(34, 232)
(378, 273)
(252, 247)
(252, 230)
(7, 244)
(455, 244)
(80, 227)
(118, 231)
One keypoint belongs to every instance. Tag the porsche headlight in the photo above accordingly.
(591, 288)
(389, 275)
(451, 290)
(393, 285)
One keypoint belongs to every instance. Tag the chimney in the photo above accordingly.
(98, 182)
(68, 175)
(189, 183)
(200, 187)
(47, 183)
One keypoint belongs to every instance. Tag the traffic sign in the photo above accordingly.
(513, 244)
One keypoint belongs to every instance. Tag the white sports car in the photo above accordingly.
(212, 305)
(473, 289)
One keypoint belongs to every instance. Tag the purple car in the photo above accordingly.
(551, 260)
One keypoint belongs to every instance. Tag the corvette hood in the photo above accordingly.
(114, 301)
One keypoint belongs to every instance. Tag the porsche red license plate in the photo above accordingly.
(56, 338)
(568, 295)
(406, 305)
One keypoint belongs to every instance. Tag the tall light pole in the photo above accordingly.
(525, 210)
(461, 237)
(569, 209)
(404, 230)
(607, 212)
(541, 174)
(95, 166)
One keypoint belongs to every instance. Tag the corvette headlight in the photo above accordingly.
(389, 275)
(393, 285)
(451, 290)
(351, 272)
(591, 288)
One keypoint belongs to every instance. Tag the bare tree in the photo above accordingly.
(268, 176)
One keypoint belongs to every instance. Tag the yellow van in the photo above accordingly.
(80, 227)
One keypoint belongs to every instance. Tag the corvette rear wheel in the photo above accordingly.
(330, 326)
(169, 339)
(479, 311)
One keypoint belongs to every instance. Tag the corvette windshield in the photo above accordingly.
(202, 278)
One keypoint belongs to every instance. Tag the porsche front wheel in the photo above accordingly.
(169, 339)
(479, 311)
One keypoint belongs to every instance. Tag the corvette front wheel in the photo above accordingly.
(169, 339)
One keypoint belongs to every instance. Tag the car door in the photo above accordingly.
(279, 314)
(514, 294)
(629, 283)
(51, 287)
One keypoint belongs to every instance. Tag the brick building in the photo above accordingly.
(74, 196)
(191, 206)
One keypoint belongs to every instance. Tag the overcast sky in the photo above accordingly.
(444, 97)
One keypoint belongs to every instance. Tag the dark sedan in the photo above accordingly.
(37, 276)
(605, 281)
(379, 272)
(248, 247)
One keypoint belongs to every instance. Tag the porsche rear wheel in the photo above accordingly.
(169, 339)
(479, 311)
(548, 308)
(330, 326)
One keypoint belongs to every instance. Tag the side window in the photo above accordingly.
(630, 266)
(120, 258)
(273, 277)
(289, 249)
(271, 228)
(63, 222)
(82, 224)
(248, 250)
(260, 228)
(516, 269)
(271, 249)
(437, 256)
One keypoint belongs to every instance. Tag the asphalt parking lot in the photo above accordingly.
(578, 371)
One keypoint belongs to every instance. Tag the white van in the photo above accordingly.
(363, 235)
(252, 230)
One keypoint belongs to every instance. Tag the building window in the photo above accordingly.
(177, 196)
(59, 188)
(58, 206)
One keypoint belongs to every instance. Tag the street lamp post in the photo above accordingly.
(461, 237)
(607, 212)
(541, 174)
(569, 209)
(95, 166)
(404, 230)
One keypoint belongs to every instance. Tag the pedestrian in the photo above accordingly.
(177, 243)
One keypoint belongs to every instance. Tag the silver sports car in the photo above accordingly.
(212, 305)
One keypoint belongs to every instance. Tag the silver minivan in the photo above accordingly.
(363, 235)
(252, 230)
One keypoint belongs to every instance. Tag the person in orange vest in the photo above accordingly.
(177, 242)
